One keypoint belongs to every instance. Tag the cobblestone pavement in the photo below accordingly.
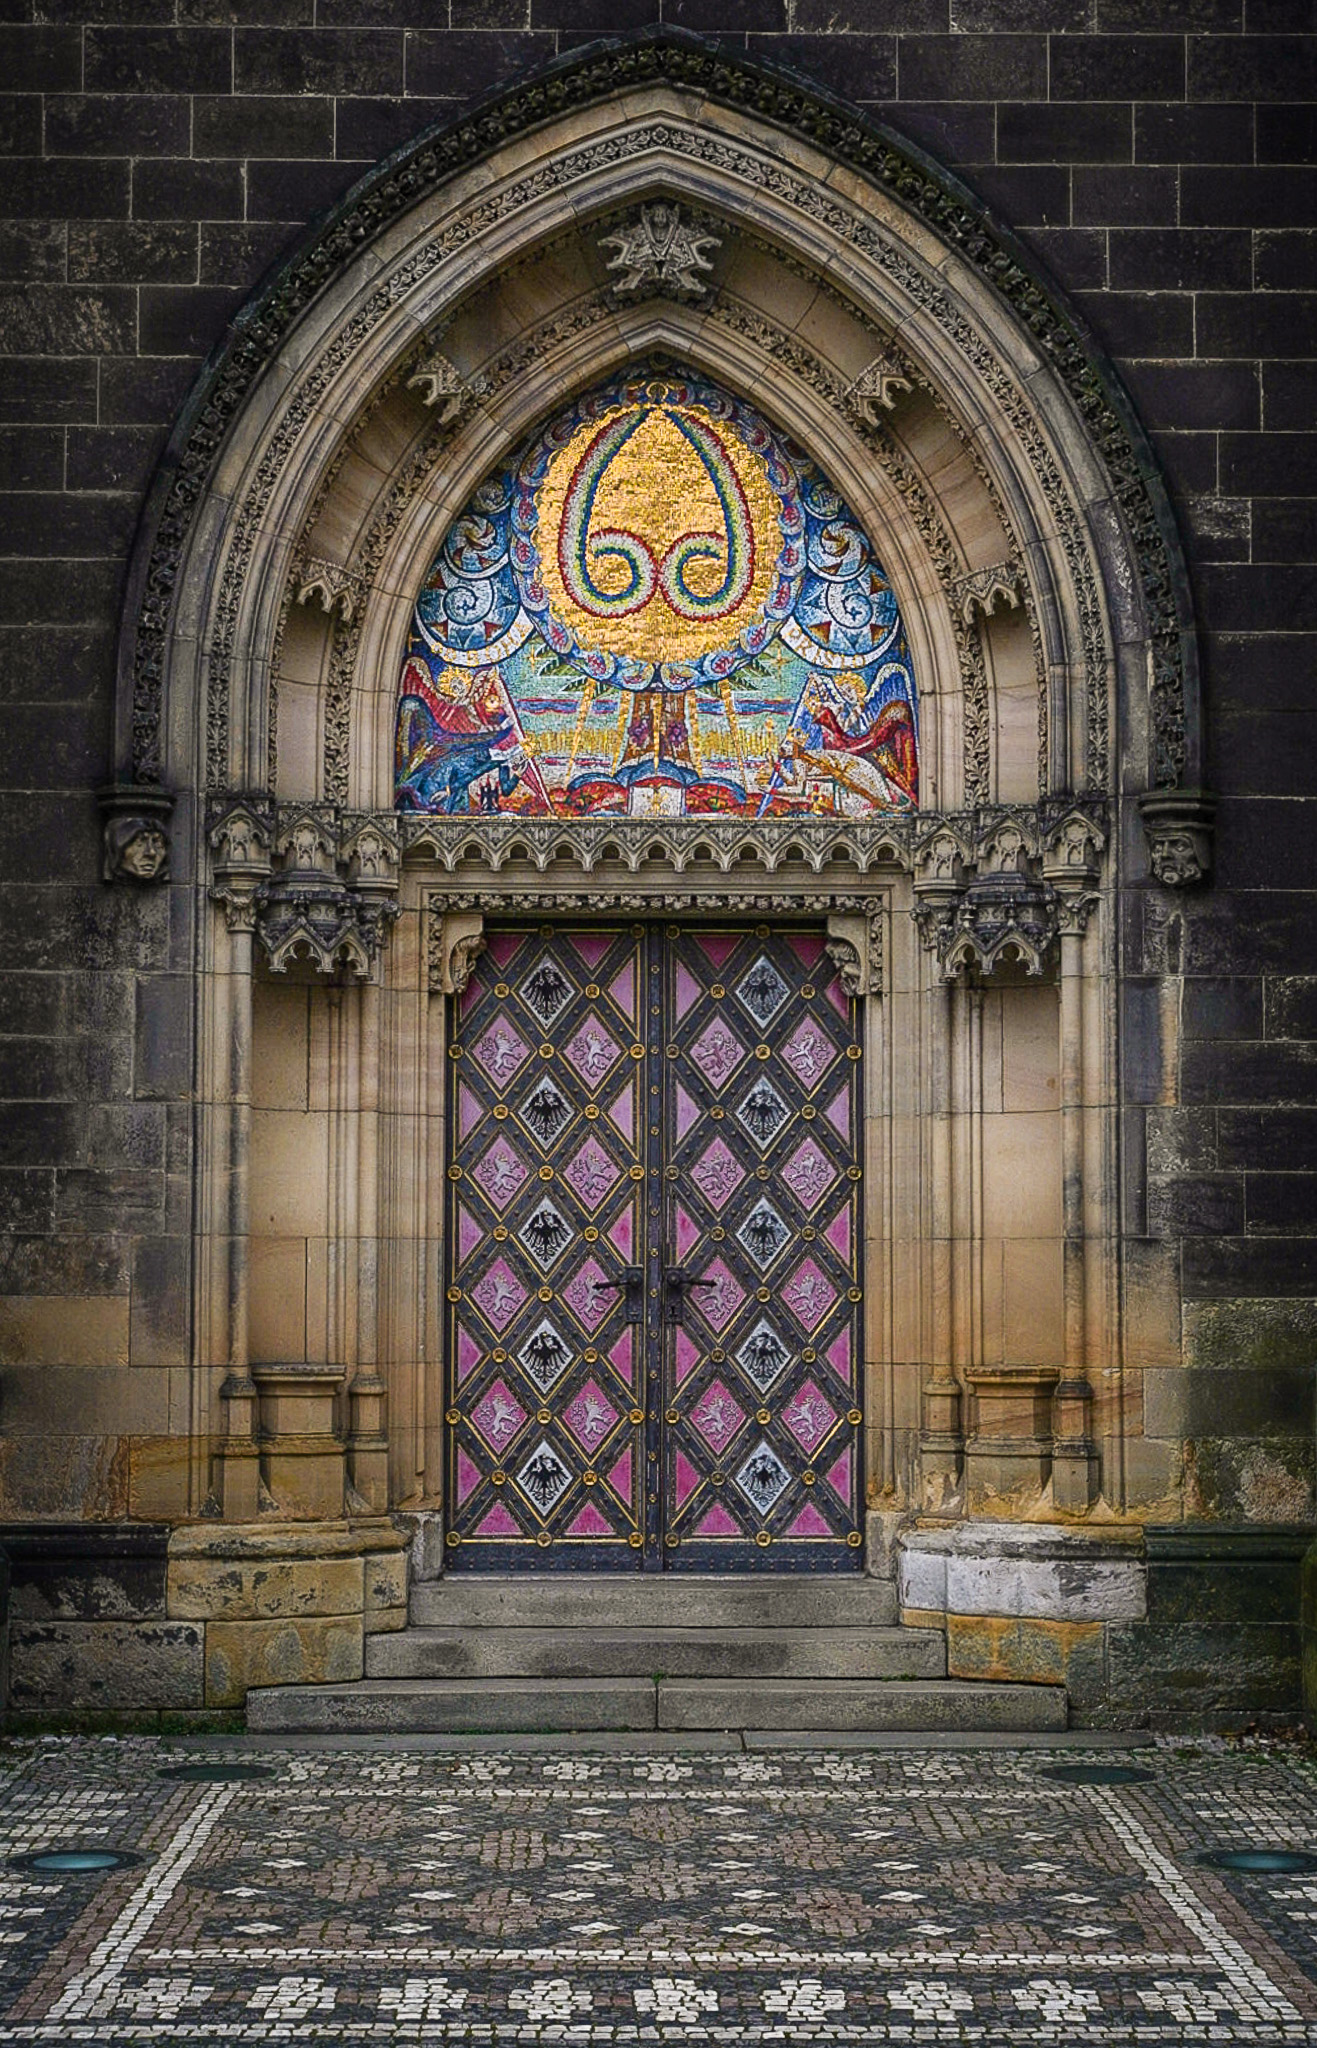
(387, 1893)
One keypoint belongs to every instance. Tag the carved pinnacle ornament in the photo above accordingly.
(980, 590)
(436, 378)
(659, 251)
(338, 589)
(876, 387)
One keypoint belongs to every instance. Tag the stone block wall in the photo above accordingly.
(143, 1626)
(160, 155)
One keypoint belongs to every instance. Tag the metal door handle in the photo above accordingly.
(675, 1285)
(632, 1284)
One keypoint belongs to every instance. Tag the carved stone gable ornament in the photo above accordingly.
(659, 252)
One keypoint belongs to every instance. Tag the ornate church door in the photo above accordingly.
(654, 1244)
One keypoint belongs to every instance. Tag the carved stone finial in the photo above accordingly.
(337, 588)
(876, 387)
(135, 832)
(981, 589)
(1177, 824)
(456, 942)
(660, 252)
(437, 379)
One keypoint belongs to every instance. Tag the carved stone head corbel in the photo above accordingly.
(135, 832)
(1177, 824)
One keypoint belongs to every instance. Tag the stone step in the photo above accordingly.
(651, 1600)
(505, 1706)
(473, 1652)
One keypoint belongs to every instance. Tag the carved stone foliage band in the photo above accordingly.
(649, 61)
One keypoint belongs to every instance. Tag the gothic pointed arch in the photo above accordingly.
(654, 212)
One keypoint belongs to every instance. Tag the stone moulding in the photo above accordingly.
(685, 63)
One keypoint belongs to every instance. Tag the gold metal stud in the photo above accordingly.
(636, 1540)
(717, 991)
(546, 1173)
(590, 1478)
(718, 1233)
(809, 1112)
(854, 1173)
(854, 1294)
(807, 1478)
(590, 1355)
(763, 1539)
(592, 989)
(542, 1416)
(501, 989)
(809, 1232)
(454, 1294)
(635, 1173)
(637, 1052)
(763, 1417)
(762, 1052)
(453, 1538)
(546, 1052)
(636, 1417)
(591, 1111)
(590, 1234)
(854, 1416)
(499, 1357)
(544, 1539)
(808, 991)
(454, 1052)
(498, 1478)
(453, 1417)
(454, 1173)
(854, 1539)
(763, 1294)
(671, 1415)
(853, 1052)
(500, 1232)
(544, 1293)
(717, 1115)
(500, 1112)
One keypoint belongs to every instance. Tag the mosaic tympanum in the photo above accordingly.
(660, 608)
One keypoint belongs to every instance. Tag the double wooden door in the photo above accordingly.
(654, 1253)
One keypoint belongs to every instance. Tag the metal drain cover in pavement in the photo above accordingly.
(75, 1862)
(1097, 1774)
(216, 1774)
(1263, 1861)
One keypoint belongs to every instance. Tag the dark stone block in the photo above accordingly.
(1142, 323)
(1292, 1006)
(1193, 135)
(27, 1198)
(20, 124)
(1108, 196)
(1188, 460)
(1248, 1268)
(1034, 134)
(986, 17)
(34, 1005)
(31, 458)
(862, 67)
(101, 1198)
(32, 249)
(182, 190)
(728, 17)
(1206, 395)
(877, 17)
(239, 253)
(1248, 198)
(1148, 67)
(106, 11)
(82, 1571)
(41, 59)
(46, 753)
(1138, 17)
(64, 1266)
(112, 458)
(991, 67)
(61, 320)
(1285, 1202)
(248, 13)
(41, 1134)
(1248, 1071)
(1285, 530)
(1236, 597)
(132, 252)
(1141, 1052)
(158, 1319)
(1216, 1006)
(46, 390)
(955, 135)
(179, 320)
(318, 60)
(158, 60)
(1179, 259)
(575, 17)
(463, 62)
(1289, 397)
(1027, 195)
(1269, 465)
(1257, 668)
(1221, 1575)
(1253, 749)
(163, 1064)
(34, 593)
(109, 124)
(72, 188)
(1217, 529)
(55, 524)
(294, 191)
(249, 127)
(370, 129)
(1204, 1677)
(1076, 257)
(1286, 258)
(135, 393)
(1253, 67)
(1284, 134)
(1196, 1205)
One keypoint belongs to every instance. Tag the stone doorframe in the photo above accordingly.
(837, 279)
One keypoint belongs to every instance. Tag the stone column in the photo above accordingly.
(1074, 1454)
